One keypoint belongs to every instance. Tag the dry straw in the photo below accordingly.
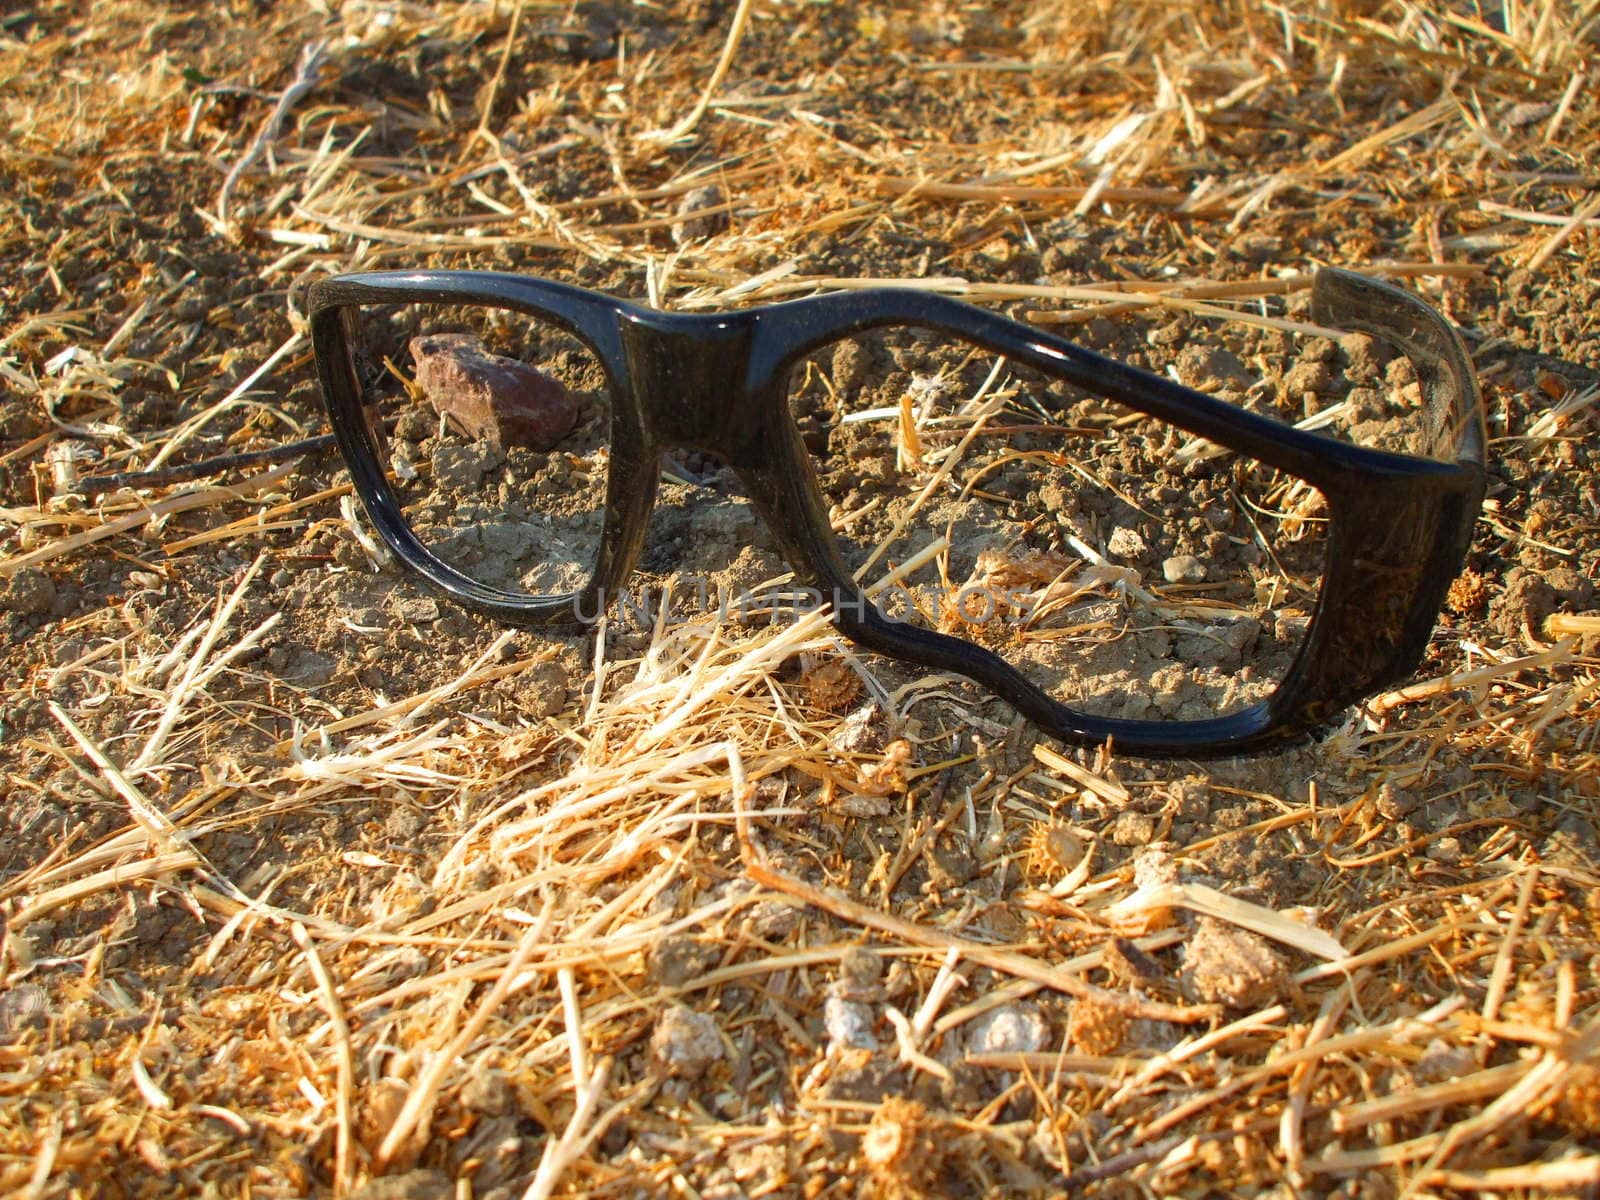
(615, 960)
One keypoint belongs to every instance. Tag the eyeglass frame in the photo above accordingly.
(1399, 525)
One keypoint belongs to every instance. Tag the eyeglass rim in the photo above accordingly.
(1350, 477)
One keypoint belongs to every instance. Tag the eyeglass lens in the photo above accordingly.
(1120, 566)
(495, 432)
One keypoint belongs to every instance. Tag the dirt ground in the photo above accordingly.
(314, 884)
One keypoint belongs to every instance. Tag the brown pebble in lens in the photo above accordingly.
(489, 397)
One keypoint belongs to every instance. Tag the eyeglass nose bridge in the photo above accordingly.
(688, 378)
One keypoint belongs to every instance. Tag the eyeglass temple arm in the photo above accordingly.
(1454, 406)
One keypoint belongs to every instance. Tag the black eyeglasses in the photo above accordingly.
(1117, 555)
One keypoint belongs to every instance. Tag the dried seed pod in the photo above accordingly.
(1053, 850)
(831, 684)
(1094, 1027)
(1579, 1105)
(889, 776)
(902, 1149)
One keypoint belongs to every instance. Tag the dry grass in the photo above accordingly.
(610, 972)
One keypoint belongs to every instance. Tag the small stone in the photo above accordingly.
(1133, 829)
(1210, 369)
(1066, 255)
(1322, 350)
(462, 468)
(772, 919)
(1259, 247)
(489, 1093)
(860, 973)
(674, 961)
(1100, 333)
(1190, 799)
(1395, 803)
(1154, 866)
(491, 398)
(1523, 605)
(24, 1006)
(1446, 850)
(863, 731)
(1572, 589)
(1307, 376)
(1009, 1029)
(1363, 404)
(413, 1185)
(1125, 543)
(685, 1042)
(849, 365)
(1528, 112)
(1183, 568)
(1228, 965)
(404, 823)
(1365, 356)
(849, 1024)
(30, 593)
(862, 1077)
(1169, 334)
(694, 222)
(1441, 1061)
(417, 610)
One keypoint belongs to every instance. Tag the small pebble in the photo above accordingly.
(692, 225)
(489, 1093)
(1009, 1029)
(674, 961)
(1228, 965)
(417, 610)
(860, 973)
(685, 1043)
(1366, 356)
(25, 1006)
(29, 593)
(1209, 369)
(849, 1024)
(1441, 1061)
(863, 730)
(491, 398)
(1306, 376)
(1133, 829)
(1153, 866)
(462, 468)
(1184, 568)
(1125, 543)
(1445, 850)
(1395, 803)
